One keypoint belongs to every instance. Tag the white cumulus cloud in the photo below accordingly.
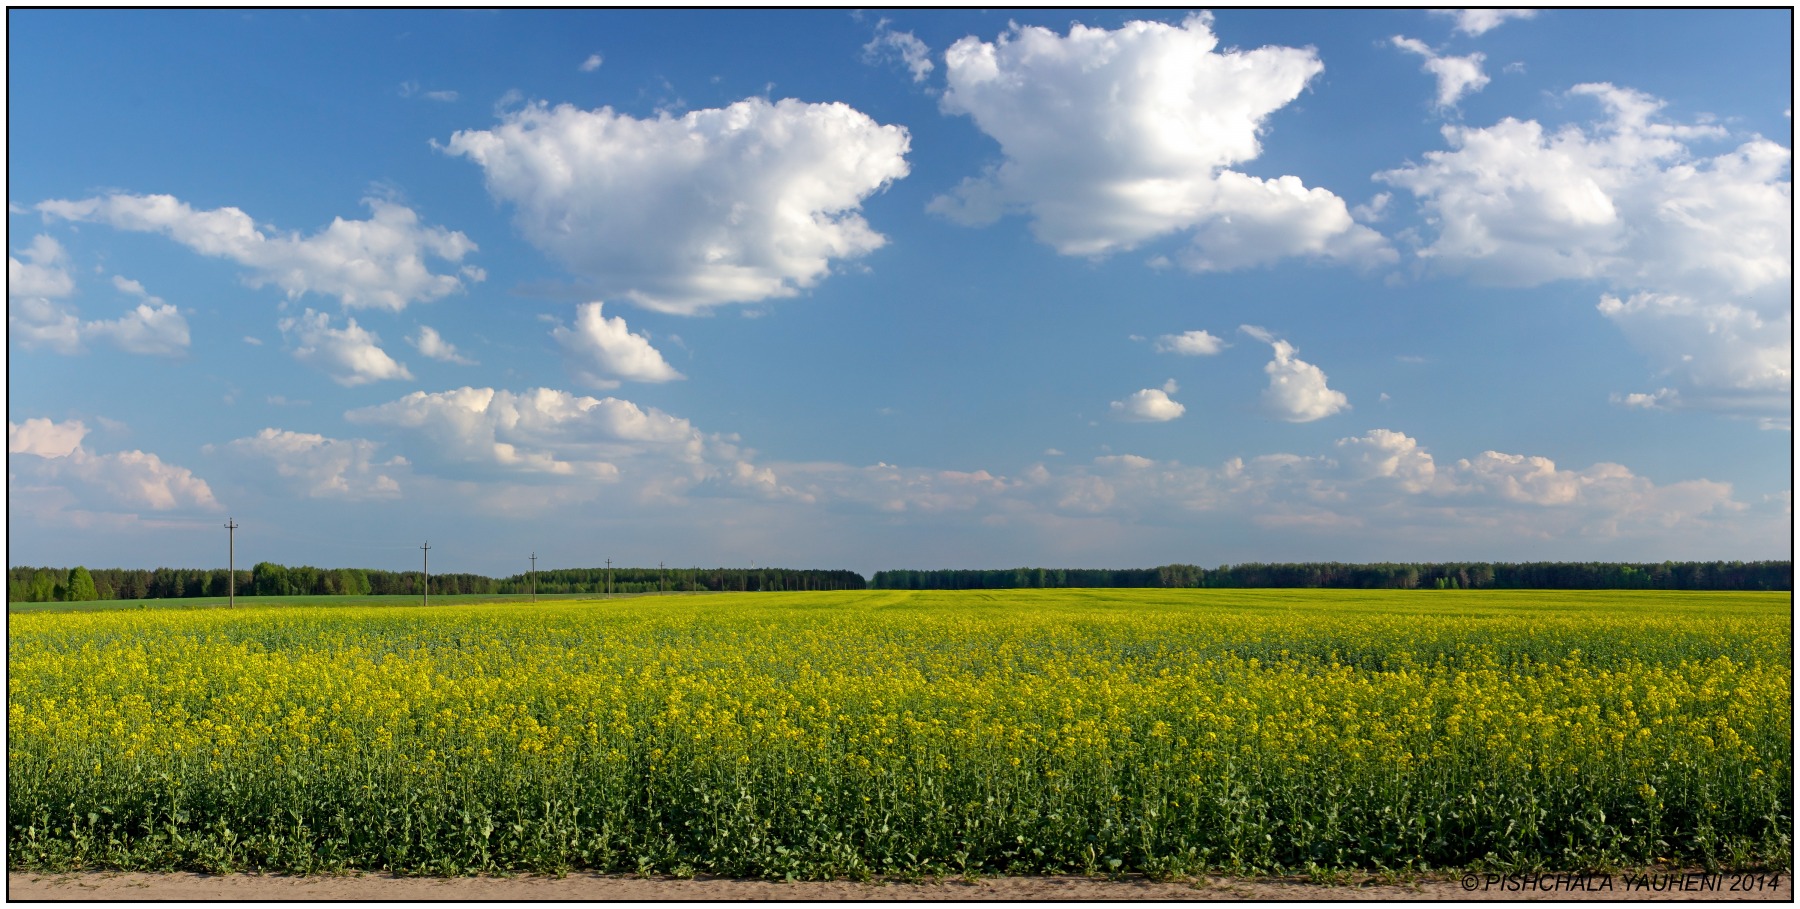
(350, 355)
(1379, 489)
(320, 467)
(433, 345)
(592, 63)
(1390, 455)
(37, 319)
(1481, 21)
(1113, 137)
(46, 274)
(1149, 405)
(379, 263)
(601, 351)
(1297, 390)
(1456, 76)
(541, 430)
(137, 478)
(44, 438)
(149, 328)
(103, 481)
(1529, 479)
(1256, 222)
(152, 327)
(1697, 249)
(1660, 399)
(1191, 344)
(34, 318)
(679, 214)
(1734, 357)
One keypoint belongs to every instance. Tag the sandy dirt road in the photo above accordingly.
(120, 886)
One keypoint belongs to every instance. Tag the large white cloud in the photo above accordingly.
(380, 262)
(1297, 390)
(602, 351)
(351, 355)
(1624, 200)
(1113, 137)
(320, 467)
(678, 214)
(1697, 248)
(104, 482)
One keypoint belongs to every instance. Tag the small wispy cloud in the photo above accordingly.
(902, 46)
(411, 89)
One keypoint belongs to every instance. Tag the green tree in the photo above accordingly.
(268, 579)
(42, 588)
(81, 586)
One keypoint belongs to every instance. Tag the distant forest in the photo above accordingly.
(42, 585)
(1383, 575)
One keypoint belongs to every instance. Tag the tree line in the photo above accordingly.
(1381, 575)
(652, 580)
(42, 585)
(45, 585)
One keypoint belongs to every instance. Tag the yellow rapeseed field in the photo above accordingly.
(889, 732)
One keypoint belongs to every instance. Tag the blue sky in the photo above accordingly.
(905, 289)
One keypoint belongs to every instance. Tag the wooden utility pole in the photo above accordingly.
(609, 578)
(659, 578)
(231, 526)
(425, 592)
(534, 576)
